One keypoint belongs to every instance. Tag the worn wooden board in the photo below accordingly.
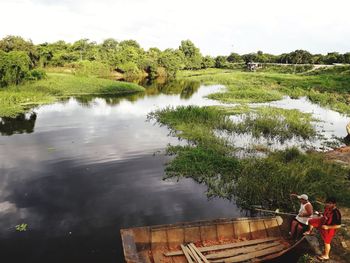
(142, 237)
(192, 234)
(159, 245)
(242, 229)
(225, 231)
(145, 256)
(272, 228)
(197, 259)
(186, 253)
(252, 255)
(227, 246)
(208, 233)
(257, 229)
(176, 236)
(129, 246)
(202, 257)
(242, 250)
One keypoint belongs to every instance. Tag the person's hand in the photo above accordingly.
(325, 227)
(293, 195)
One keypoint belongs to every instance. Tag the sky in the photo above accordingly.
(217, 27)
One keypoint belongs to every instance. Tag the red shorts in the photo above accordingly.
(327, 235)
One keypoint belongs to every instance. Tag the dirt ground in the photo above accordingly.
(340, 155)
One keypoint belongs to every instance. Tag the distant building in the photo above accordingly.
(252, 66)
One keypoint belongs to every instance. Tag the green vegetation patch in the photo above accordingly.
(251, 181)
(17, 99)
(271, 122)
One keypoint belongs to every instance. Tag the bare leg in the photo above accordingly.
(327, 249)
(293, 228)
(299, 230)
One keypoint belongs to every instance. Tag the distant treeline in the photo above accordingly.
(20, 58)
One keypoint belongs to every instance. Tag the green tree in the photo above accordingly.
(208, 62)
(14, 67)
(17, 43)
(234, 58)
(193, 57)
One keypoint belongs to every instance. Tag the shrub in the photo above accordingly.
(36, 74)
(14, 67)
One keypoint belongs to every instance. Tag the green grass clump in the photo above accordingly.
(17, 99)
(247, 95)
(270, 122)
(194, 123)
(269, 181)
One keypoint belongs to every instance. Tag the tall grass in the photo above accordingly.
(271, 122)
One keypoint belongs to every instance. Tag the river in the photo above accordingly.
(77, 171)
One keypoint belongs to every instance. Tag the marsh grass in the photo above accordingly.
(17, 99)
(277, 123)
(252, 180)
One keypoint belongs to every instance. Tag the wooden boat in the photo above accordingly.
(221, 240)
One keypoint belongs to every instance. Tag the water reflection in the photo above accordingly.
(90, 167)
(23, 123)
(186, 89)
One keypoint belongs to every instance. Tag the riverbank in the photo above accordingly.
(18, 99)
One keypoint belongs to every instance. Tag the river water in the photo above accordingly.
(77, 171)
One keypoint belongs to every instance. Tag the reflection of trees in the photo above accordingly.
(23, 123)
(160, 86)
(153, 88)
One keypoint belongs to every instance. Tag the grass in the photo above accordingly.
(327, 87)
(277, 123)
(17, 99)
(251, 181)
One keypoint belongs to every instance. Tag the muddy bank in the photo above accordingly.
(340, 155)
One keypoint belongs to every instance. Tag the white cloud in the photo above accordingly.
(217, 27)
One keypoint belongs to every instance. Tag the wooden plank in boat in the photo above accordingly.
(205, 260)
(252, 255)
(192, 234)
(227, 246)
(272, 227)
(225, 231)
(243, 250)
(187, 255)
(242, 229)
(257, 229)
(196, 256)
(208, 232)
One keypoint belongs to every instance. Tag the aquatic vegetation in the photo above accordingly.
(270, 122)
(265, 181)
(17, 99)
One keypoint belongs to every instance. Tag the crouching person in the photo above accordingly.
(300, 222)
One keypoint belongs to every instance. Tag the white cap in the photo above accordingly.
(303, 196)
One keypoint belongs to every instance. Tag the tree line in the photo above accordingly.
(20, 59)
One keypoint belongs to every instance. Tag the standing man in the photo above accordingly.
(300, 222)
(327, 224)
